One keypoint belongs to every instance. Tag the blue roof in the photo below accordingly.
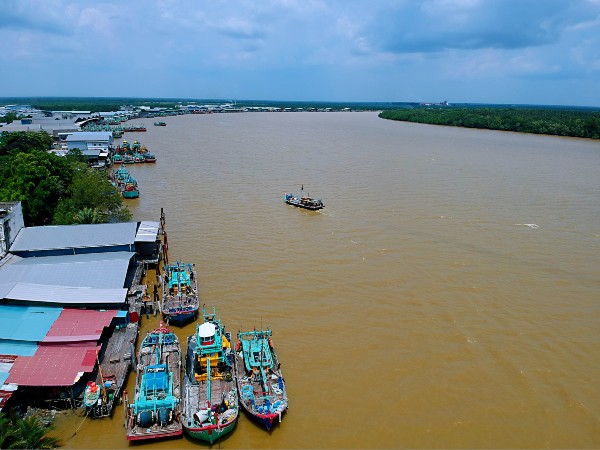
(26, 323)
(19, 348)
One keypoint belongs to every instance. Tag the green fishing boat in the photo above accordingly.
(210, 400)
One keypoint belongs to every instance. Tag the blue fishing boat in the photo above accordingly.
(303, 201)
(261, 387)
(149, 157)
(210, 399)
(180, 301)
(156, 408)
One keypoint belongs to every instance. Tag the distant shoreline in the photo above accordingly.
(578, 123)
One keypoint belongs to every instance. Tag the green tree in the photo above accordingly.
(91, 198)
(24, 141)
(38, 179)
(9, 117)
(26, 433)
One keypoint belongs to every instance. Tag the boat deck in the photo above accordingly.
(196, 395)
(172, 358)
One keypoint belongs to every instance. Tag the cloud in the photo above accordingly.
(40, 17)
(438, 25)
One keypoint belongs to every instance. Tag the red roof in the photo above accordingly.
(53, 365)
(79, 325)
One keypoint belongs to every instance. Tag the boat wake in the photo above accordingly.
(530, 225)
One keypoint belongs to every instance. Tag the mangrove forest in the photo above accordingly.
(559, 122)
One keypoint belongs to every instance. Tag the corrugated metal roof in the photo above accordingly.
(74, 236)
(67, 295)
(90, 136)
(147, 232)
(19, 348)
(95, 270)
(26, 323)
(79, 325)
(53, 365)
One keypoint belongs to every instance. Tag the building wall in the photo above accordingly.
(11, 223)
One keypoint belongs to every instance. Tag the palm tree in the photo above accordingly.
(25, 433)
(8, 433)
(33, 433)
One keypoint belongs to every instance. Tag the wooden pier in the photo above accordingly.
(118, 358)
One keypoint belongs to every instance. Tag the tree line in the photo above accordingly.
(55, 190)
(559, 122)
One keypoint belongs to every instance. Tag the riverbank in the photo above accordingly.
(557, 122)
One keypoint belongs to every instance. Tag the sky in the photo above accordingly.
(543, 52)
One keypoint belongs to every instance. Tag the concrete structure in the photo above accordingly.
(11, 222)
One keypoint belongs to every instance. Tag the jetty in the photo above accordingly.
(118, 358)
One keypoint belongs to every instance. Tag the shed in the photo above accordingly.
(75, 239)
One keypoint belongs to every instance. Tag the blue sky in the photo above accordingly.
(480, 51)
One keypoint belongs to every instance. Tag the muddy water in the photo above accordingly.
(447, 297)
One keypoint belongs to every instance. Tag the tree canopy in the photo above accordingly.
(54, 189)
(560, 122)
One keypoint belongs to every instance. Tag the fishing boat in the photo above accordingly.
(149, 157)
(91, 394)
(180, 301)
(160, 124)
(210, 399)
(303, 201)
(261, 386)
(156, 408)
(130, 188)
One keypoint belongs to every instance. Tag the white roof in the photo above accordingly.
(147, 232)
(206, 330)
(90, 136)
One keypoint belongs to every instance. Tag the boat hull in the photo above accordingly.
(267, 420)
(131, 194)
(181, 318)
(154, 435)
(309, 207)
(211, 433)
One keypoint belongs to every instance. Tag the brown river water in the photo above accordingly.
(448, 296)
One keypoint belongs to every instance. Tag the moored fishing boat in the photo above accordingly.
(303, 201)
(130, 188)
(210, 400)
(91, 394)
(149, 157)
(180, 301)
(261, 386)
(156, 408)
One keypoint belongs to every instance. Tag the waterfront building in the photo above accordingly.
(64, 290)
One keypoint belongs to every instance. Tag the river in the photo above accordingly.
(448, 296)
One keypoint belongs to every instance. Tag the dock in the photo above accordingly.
(112, 374)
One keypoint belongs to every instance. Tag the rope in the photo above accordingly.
(84, 417)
